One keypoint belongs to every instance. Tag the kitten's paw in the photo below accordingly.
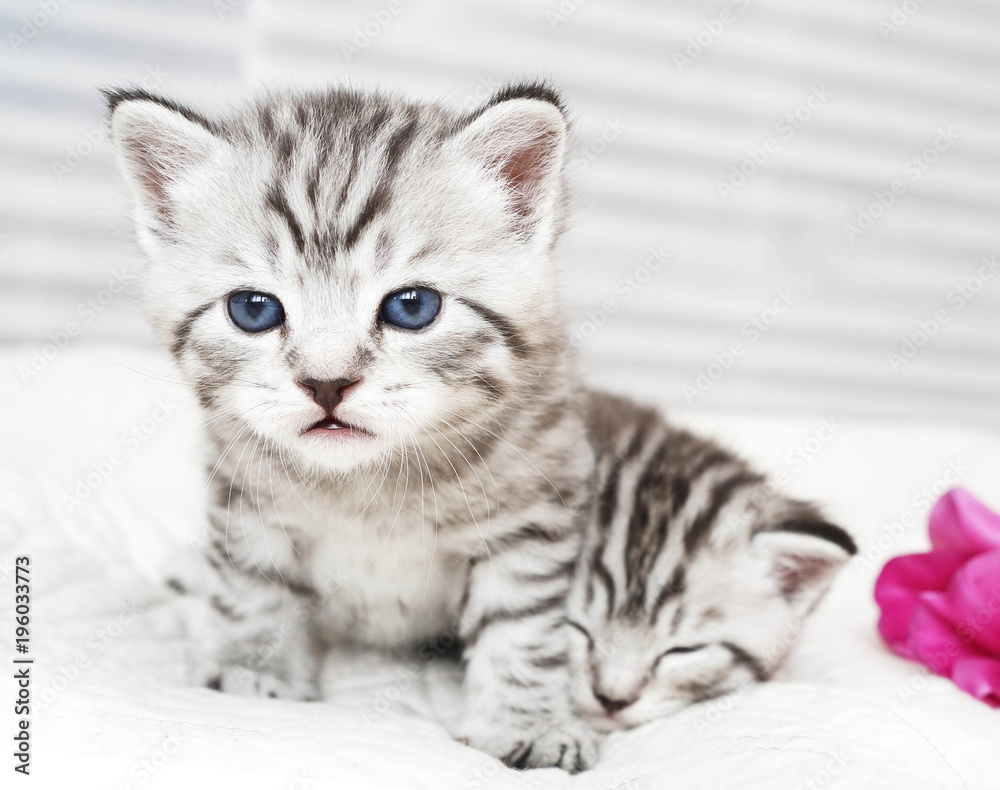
(246, 682)
(537, 743)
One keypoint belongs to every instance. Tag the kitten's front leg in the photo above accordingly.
(517, 675)
(268, 649)
(258, 633)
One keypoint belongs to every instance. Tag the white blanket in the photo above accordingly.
(102, 480)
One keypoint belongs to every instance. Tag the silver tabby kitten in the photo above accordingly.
(695, 575)
(359, 289)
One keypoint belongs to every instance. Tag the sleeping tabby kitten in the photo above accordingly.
(359, 289)
(694, 577)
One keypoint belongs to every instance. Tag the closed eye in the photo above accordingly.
(582, 630)
(679, 650)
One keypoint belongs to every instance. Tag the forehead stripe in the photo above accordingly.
(720, 497)
(671, 589)
(276, 202)
(602, 573)
(378, 199)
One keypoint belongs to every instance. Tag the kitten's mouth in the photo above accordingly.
(330, 425)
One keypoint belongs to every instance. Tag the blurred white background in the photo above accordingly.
(826, 106)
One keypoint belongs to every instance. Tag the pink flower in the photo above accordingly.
(943, 608)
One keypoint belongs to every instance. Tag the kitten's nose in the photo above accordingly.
(612, 706)
(327, 394)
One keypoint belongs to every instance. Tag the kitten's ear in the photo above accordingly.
(161, 145)
(520, 136)
(805, 553)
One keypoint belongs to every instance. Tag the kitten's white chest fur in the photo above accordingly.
(382, 581)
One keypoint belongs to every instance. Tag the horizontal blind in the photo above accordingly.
(824, 106)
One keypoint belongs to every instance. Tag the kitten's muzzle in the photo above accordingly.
(328, 396)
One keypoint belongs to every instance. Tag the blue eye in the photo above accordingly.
(411, 308)
(255, 312)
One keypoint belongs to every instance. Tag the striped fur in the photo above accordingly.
(459, 511)
(464, 503)
(695, 575)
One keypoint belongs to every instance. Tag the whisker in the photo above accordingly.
(516, 449)
(277, 510)
(243, 523)
(486, 466)
(260, 512)
(461, 485)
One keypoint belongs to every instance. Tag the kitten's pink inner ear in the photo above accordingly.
(526, 172)
(795, 572)
(523, 142)
(152, 174)
(159, 147)
(802, 565)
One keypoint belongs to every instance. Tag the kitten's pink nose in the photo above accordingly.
(611, 705)
(327, 394)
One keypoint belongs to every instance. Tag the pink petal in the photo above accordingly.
(960, 522)
(944, 608)
(973, 602)
(980, 677)
(900, 584)
(933, 642)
